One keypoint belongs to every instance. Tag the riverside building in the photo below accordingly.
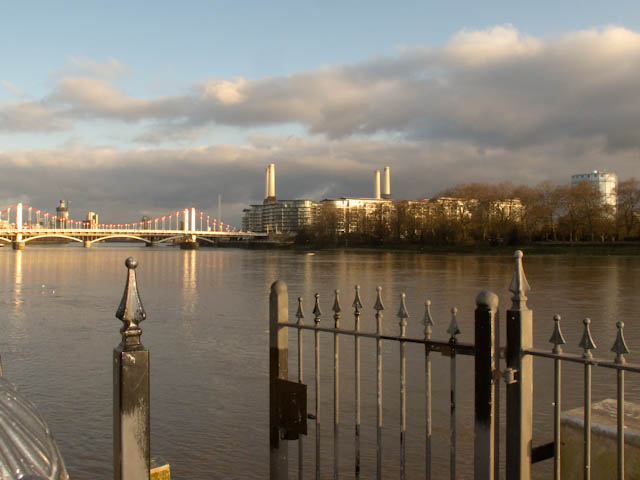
(606, 182)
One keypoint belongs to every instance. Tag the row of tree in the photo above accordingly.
(546, 212)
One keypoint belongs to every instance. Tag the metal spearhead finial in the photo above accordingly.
(587, 342)
(556, 337)
(620, 346)
(519, 285)
(453, 329)
(428, 319)
(316, 308)
(402, 312)
(378, 306)
(336, 302)
(357, 304)
(131, 312)
(299, 312)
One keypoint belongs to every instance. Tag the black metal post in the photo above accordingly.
(519, 378)
(485, 392)
(278, 369)
(131, 421)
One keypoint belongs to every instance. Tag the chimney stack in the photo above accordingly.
(266, 183)
(376, 185)
(386, 192)
(270, 184)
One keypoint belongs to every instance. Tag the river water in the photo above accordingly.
(207, 332)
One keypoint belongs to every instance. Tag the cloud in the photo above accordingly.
(494, 87)
(124, 185)
(11, 88)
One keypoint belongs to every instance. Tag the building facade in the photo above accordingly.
(606, 182)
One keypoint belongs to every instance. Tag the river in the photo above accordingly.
(207, 332)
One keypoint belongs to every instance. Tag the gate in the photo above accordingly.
(288, 399)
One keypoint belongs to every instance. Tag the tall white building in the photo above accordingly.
(607, 183)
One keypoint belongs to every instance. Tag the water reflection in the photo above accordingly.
(207, 316)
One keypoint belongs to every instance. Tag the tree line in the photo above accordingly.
(477, 214)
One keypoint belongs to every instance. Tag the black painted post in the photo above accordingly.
(519, 378)
(131, 422)
(278, 369)
(486, 317)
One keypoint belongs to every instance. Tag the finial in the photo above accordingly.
(357, 304)
(556, 337)
(402, 312)
(620, 346)
(316, 309)
(428, 319)
(131, 312)
(587, 341)
(453, 329)
(336, 302)
(519, 285)
(378, 306)
(299, 313)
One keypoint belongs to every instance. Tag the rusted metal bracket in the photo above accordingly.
(542, 452)
(292, 409)
(508, 375)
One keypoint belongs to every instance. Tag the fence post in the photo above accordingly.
(486, 316)
(519, 378)
(131, 429)
(278, 369)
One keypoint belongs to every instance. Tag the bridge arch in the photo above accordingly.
(117, 235)
(52, 235)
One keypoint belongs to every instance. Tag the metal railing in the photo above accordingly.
(288, 409)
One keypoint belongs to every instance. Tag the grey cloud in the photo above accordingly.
(124, 185)
(495, 88)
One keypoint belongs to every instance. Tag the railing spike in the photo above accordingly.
(378, 306)
(587, 342)
(453, 329)
(336, 302)
(299, 312)
(557, 339)
(316, 308)
(427, 320)
(131, 312)
(519, 285)
(402, 312)
(357, 304)
(620, 345)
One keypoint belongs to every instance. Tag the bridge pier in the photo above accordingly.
(18, 245)
(154, 243)
(87, 244)
(189, 245)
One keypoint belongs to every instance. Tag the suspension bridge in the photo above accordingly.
(20, 224)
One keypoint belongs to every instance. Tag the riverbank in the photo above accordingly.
(546, 248)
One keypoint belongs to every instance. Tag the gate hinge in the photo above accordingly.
(292, 409)
(508, 375)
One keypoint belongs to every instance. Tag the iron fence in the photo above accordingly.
(288, 400)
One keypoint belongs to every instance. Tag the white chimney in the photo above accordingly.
(386, 192)
(266, 182)
(272, 180)
(376, 185)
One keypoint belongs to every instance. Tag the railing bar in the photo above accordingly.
(336, 389)
(557, 410)
(316, 338)
(403, 315)
(569, 357)
(357, 305)
(378, 307)
(428, 324)
(587, 421)
(620, 424)
(300, 376)
(452, 426)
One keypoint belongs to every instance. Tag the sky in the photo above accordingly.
(143, 108)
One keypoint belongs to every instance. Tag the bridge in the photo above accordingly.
(21, 224)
